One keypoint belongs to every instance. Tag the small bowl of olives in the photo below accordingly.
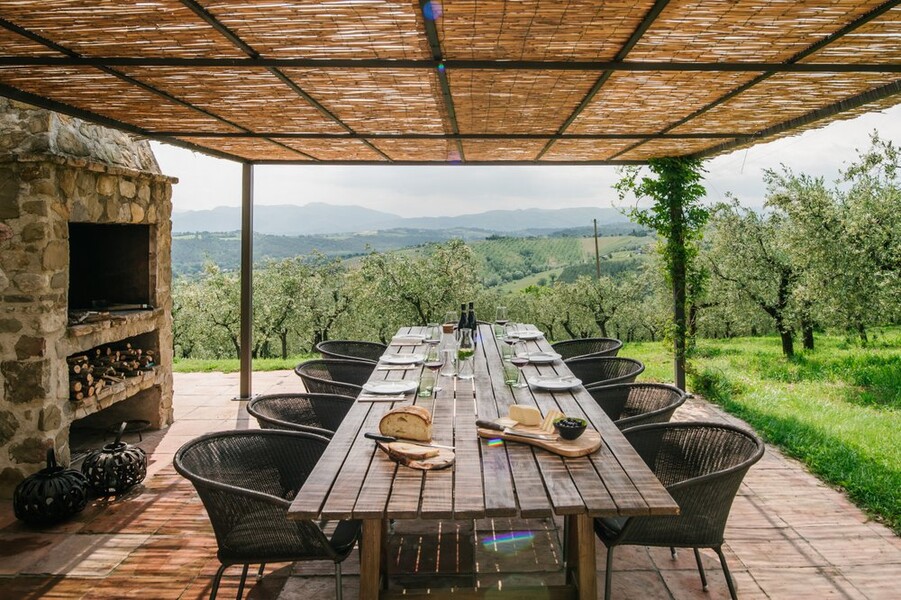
(570, 428)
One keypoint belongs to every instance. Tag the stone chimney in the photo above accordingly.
(60, 175)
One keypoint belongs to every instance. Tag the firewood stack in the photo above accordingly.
(91, 372)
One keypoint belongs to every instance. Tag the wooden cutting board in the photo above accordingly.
(444, 459)
(585, 444)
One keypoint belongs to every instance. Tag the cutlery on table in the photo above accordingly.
(381, 397)
(390, 438)
(396, 368)
(484, 424)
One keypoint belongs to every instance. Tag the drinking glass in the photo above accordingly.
(434, 360)
(519, 361)
(500, 315)
(432, 334)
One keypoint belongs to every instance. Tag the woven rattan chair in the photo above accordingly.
(632, 404)
(701, 465)
(246, 480)
(604, 370)
(351, 350)
(316, 413)
(334, 376)
(587, 347)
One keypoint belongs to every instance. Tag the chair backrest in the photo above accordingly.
(351, 349)
(334, 376)
(316, 413)
(702, 466)
(631, 404)
(607, 369)
(246, 480)
(587, 347)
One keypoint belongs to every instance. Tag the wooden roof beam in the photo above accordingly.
(130, 80)
(254, 55)
(836, 35)
(431, 33)
(646, 22)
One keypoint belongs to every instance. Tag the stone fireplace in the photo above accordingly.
(85, 238)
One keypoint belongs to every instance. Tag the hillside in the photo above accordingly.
(319, 218)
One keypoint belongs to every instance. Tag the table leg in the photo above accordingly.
(581, 555)
(371, 558)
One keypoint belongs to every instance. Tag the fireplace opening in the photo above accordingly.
(109, 266)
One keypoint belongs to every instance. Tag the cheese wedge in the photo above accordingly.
(548, 423)
(525, 415)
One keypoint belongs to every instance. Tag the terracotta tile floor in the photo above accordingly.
(789, 536)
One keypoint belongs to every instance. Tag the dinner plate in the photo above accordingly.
(554, 382)
(390, 387)
(542, 357)
(408, 339)
(529, 335)
(401, 359)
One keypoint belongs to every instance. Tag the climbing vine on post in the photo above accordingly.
(678, 217)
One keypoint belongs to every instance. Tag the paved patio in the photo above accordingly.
(789, 535)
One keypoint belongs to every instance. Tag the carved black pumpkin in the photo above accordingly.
(116, 467)
(51, 495)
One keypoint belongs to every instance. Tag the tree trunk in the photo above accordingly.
(678, 273)
(283, 337)
(807, 333)
(862, 334)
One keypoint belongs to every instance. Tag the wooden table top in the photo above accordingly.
(354, 479)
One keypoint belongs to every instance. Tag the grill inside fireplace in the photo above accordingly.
(110, 266)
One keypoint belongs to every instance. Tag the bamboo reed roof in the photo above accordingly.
(454, 81)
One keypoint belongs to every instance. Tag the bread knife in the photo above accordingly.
(390, 438)
(547, 437)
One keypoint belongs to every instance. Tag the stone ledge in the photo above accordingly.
(90, 165)
(81, 338)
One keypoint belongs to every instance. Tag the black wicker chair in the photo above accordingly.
(335, 376)
(587, 347)
(604, 370)
(315, 413)
(632, 404)
(351, 350)
(702, 466)
(246, 480)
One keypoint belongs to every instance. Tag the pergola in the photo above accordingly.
(601, 82)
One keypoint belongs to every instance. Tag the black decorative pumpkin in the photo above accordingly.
(51, 495)
(116, 467)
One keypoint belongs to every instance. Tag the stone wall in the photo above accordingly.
(55, 170)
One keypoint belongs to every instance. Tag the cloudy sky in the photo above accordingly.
(206, 182)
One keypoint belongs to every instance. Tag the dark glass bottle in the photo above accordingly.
(472, 324)
(461, 325)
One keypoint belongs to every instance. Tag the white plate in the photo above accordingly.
(540, 358)
(529, 335)
(401, 359)
(554, 382)
(408, 339)
(390, 387)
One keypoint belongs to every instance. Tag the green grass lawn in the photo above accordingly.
(233, 365)
(837, 409)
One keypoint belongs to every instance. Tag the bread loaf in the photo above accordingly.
(410, 451)
(408, 422)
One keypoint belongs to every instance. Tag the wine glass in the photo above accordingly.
(500, 316)
(434, 360)
(519, 361)
(433, 334)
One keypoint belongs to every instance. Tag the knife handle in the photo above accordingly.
(485, 424)
(380, 438)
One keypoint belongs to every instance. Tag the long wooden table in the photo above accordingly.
(354, 479)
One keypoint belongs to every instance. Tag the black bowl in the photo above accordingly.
(570, 428)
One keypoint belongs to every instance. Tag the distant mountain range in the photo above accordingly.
(320, 218)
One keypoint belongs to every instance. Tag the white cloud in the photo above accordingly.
(206, 182)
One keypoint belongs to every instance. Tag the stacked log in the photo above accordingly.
(89, 373)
